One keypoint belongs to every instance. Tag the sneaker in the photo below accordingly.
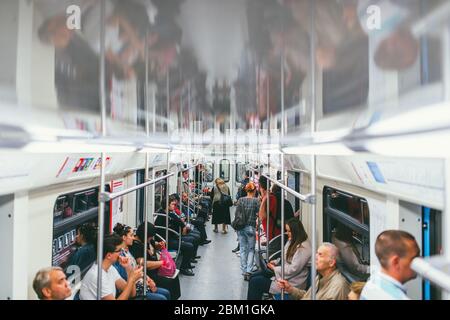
(205, 242)
(235, 249)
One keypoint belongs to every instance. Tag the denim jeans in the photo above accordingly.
(247, 240)
(160, 294)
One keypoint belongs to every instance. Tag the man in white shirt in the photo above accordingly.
(395, 250)
(111, 280)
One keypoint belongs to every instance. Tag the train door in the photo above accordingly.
(431, 245)
(225, 173)
(7, 220)
(209, 173)
(239, 176)
(159, 196)
(425, 224)
(346, 224)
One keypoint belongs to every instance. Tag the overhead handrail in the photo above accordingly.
(308, 198)
(107, 196)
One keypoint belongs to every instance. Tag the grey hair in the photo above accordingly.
(334, 251)
(42, 280)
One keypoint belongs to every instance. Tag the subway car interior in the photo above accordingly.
(167, 120)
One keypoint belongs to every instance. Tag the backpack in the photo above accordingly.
(240, 221)
(288, 211)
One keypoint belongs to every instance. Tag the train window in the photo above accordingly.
(160, 191)
(240, 170)
(69, 213)
(346, 224)
(224, 169)
(209, 172)
(294, 183)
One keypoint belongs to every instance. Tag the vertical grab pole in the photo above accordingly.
(178, 187)
(101, 204)
(147, 164)
(313, 157)
(189, 194)
(167, 202)
(267, 219)
(283, 125)
(147, 161)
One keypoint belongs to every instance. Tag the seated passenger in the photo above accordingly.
(111, 280)
(348, 254)
(153, 262)
(395, 249)
(153, 293)
(297, 255)
(330, 283)
(85, 254)
(198, 222)
(188, 248)
(355, 290)
(51, 284)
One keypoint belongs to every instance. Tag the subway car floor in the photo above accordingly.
(217, 273)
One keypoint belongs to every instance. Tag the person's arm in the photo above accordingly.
(128, 289)
(262, 209)
(151, 265)
(299, 261)
(295, 293)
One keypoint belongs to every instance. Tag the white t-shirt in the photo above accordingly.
(88, 290)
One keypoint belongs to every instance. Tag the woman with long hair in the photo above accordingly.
(153, 292)
(297, 255)
(221, 212)
(248, 208)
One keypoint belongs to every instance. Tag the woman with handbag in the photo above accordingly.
(244, 223)
(220, 197)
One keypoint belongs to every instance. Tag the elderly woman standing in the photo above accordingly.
(221, 212)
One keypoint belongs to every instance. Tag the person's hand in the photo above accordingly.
(274, 262)
(185, 231)
(136, 274)
(140, 261)
(124, 262)
(270, 266)
(151, 285)
(284, 284)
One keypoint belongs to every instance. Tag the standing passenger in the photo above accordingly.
(221, 212)
(395, 250)
(248, 208)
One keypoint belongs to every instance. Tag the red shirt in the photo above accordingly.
(273, 230)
